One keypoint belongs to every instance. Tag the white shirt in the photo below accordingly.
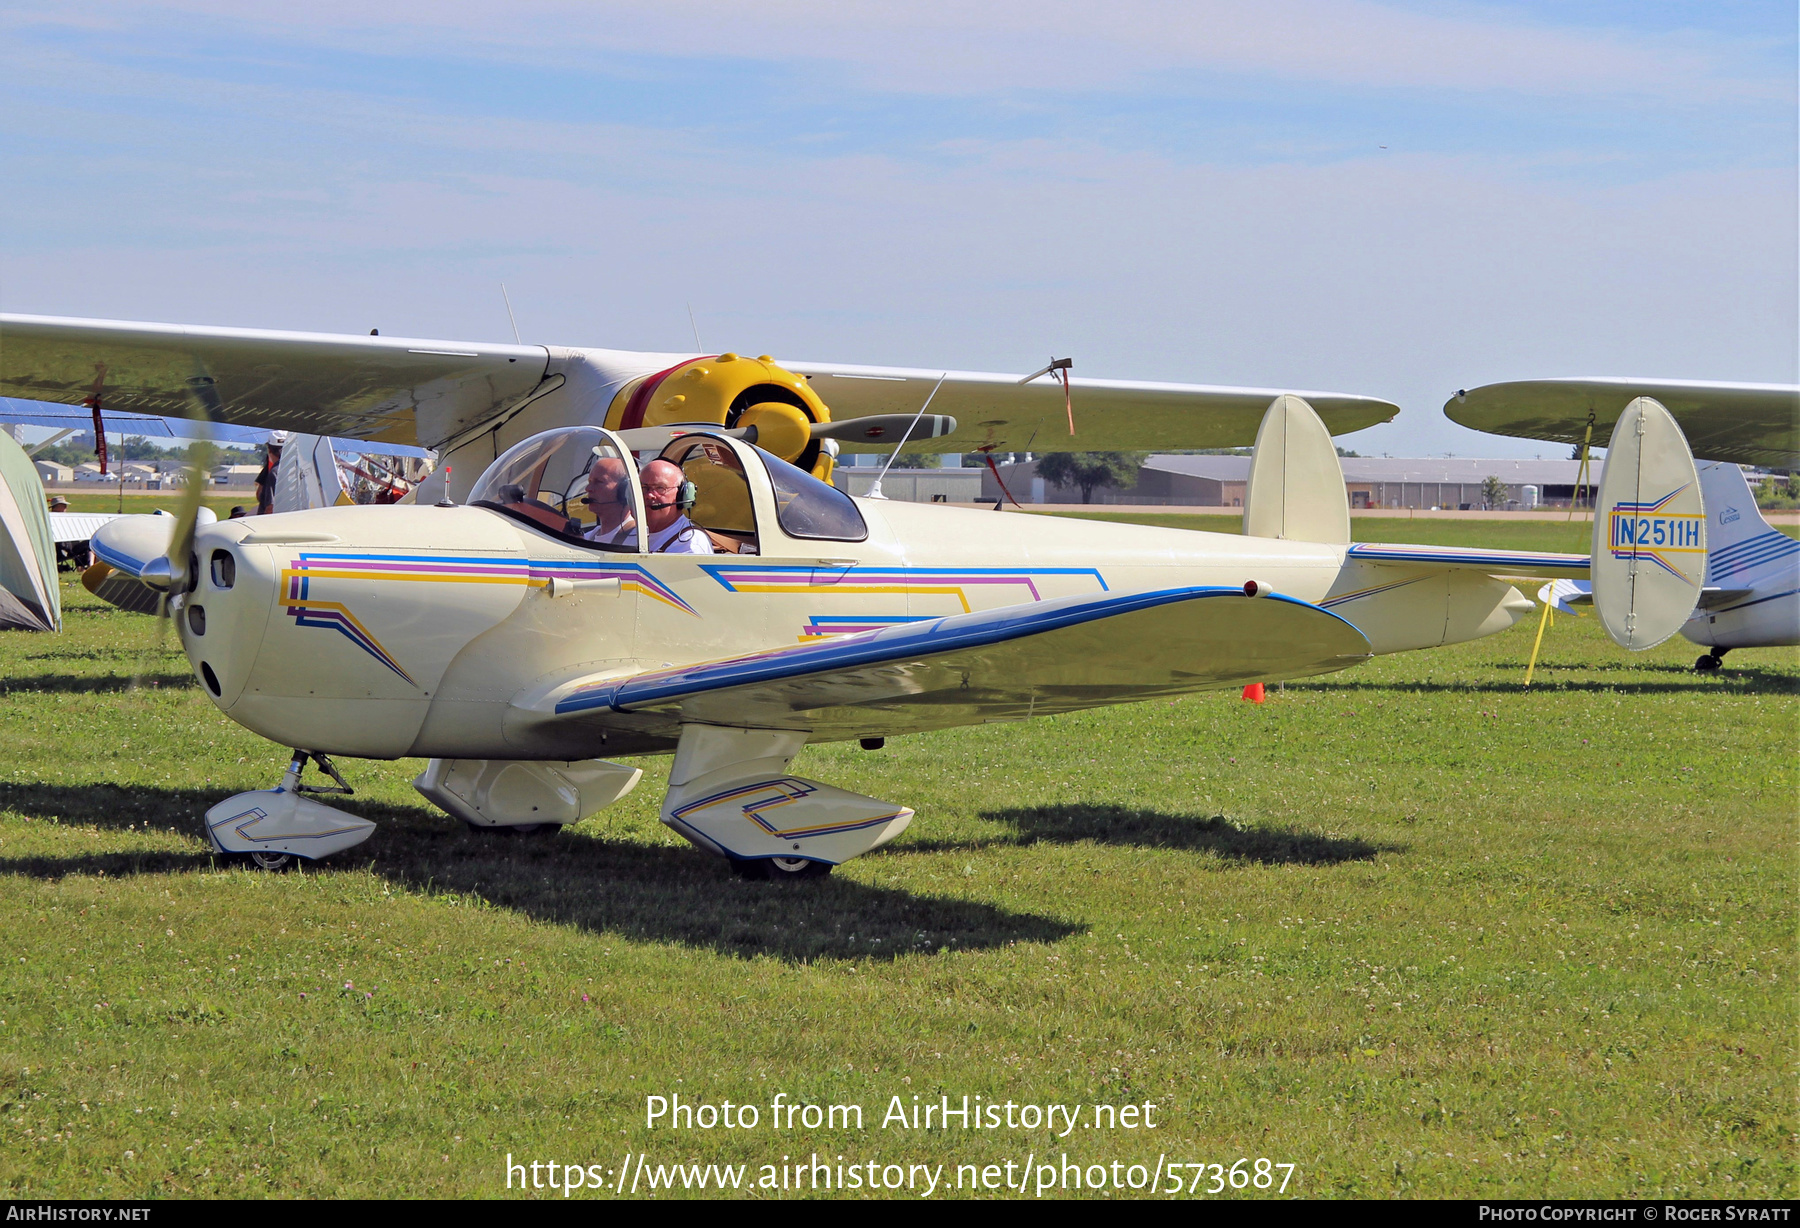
(622, 535)
(682, 537)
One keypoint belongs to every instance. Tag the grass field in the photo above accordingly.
(169, 500)
(1410, 928)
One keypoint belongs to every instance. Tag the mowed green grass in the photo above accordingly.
(150, 501)
(1411, 928)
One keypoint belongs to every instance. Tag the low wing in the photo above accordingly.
(1748, 423)
(994, 665)
(324, 384)
(1533, 563)
(996, 410)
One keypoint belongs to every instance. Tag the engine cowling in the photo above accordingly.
(732, 391)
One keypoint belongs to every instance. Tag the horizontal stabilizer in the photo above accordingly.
(1462, 558)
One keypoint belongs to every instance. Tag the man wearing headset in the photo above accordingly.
(608, 498)
(667, 496)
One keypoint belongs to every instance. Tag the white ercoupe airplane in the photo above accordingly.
(509, 642)
(1751, 596)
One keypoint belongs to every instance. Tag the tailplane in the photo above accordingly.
(1296, 487)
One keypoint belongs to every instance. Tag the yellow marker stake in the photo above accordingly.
(1537, 643)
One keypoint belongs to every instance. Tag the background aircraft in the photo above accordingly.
(1751, 595)
(470, 401)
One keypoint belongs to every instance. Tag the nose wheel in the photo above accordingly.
(273, 863)
(1711, 661)
(275, 829)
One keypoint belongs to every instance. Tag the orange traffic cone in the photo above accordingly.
(1254, 692)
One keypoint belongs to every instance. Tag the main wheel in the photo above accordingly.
(1707, 664)
(274, 863)
(517, 829)
(779, 867)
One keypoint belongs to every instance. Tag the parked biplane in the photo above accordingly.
(1750, 597)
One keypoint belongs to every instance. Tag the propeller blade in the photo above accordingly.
(177, 571)
(885, 428)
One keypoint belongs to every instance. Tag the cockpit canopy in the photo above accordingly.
(582, 485)
(546, 480)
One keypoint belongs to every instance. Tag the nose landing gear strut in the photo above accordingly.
(272, 829)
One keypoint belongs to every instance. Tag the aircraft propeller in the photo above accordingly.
(177, 571)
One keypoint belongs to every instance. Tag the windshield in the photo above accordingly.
(572, 482)
(807, 507)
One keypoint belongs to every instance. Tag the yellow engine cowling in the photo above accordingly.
(732, 391)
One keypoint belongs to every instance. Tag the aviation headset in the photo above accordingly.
(686, 495)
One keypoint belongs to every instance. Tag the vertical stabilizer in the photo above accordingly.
(1741, 546)
(1649, 551)
(1296, 486)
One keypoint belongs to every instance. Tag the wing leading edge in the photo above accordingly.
(996, 665)
(997, 410)
(1755, 424)
(373, 388)
(412, 391)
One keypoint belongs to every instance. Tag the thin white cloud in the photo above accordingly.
(975, 47)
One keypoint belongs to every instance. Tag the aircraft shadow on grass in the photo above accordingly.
(1680, 680)
(1123, 825)
(650, 893)
(92, 684)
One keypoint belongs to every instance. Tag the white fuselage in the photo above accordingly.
(1756, 569)
(425, 631)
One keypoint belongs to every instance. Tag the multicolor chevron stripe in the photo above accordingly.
(309, 611)
(952, 581)
(946, 581)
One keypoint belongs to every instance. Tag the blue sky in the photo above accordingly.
(1396, 199)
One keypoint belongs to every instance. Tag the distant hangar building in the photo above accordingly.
(1370, 481)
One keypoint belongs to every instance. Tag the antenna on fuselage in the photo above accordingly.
(507, 299)
(696, 329)
(875, 488)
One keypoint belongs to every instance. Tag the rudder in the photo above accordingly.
(1296, 485)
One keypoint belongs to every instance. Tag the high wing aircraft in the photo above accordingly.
(1752, 424)
(510, 643)
(471, 401)
(1751, 593)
